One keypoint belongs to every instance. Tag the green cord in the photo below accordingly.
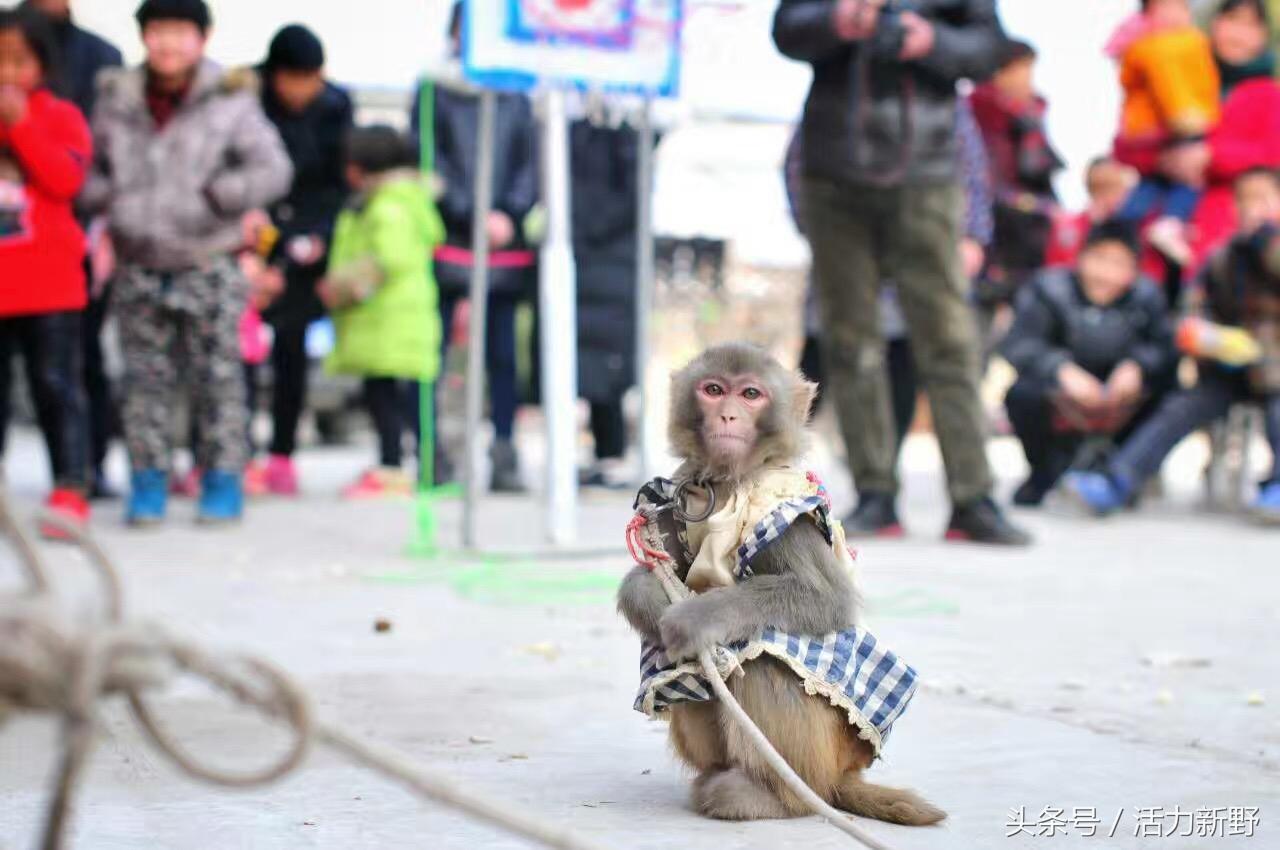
(425, 508)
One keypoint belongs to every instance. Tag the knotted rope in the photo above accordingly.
(50, 664)
(715, 668)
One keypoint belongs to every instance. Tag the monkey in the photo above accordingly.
(735, 410)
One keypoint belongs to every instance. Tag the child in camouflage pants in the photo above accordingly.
(182, 152)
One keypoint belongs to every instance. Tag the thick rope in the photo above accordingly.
(676, 591)
(50, 664)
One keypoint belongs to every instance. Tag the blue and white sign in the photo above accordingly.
(628, 46)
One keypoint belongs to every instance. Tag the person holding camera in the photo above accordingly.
(884, 200)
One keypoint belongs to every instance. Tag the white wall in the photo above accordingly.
(369, 42)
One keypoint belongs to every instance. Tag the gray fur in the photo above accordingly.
(798, 586)
(782, 427)
(642, 601)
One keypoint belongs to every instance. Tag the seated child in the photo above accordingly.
(1108, 184)
(381, 292)
(1171, 98)
(1241, 290)
(1093, 350)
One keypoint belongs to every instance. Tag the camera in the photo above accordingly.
(890, 34)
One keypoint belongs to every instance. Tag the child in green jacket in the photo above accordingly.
(381, 293)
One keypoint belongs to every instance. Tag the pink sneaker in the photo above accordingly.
(380, 483)
(282, 477)
(187, 486)
(255, 479)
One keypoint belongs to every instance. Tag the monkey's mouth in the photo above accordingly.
(725, 437)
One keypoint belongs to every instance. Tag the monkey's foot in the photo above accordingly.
(732, 795)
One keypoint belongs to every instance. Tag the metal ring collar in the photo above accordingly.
(682, 491)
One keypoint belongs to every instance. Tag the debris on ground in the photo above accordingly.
(380, 625)
(480, 739)
(545, 649)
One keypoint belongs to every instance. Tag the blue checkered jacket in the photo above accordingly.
(850, 668)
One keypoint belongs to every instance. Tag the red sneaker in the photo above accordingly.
(255, 479)
(186, 486)
(71, 506)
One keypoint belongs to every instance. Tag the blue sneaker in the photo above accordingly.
(221, 497)
(1266, 508)
(1098, 493)
(148, 497)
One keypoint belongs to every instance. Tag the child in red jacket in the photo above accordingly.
(45, 149)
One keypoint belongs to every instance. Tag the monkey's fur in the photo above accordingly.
(797, 586)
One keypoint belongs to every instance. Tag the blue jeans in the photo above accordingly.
(1185, 412)
(1160, 195)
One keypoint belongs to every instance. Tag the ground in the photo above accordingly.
(1117, 666)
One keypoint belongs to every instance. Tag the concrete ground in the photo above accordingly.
(1125, 667)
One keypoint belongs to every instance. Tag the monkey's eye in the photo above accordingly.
(713, 390)
(752, 394)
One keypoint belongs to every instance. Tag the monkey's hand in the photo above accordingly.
(642, 600)
(695, 624)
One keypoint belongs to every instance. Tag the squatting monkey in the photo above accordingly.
(738, 415)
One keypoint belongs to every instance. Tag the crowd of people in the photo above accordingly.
(1174, 257)
(207, 205)
(199, 204)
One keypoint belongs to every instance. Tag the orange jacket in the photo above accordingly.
(1171, 86)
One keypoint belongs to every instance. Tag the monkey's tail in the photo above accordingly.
(893, 805)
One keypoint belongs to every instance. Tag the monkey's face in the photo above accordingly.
(732, 407)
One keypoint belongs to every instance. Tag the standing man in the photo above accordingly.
(883, 200)
(454, 115)
(82, 55)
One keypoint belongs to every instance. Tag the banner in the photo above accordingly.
(628, 46)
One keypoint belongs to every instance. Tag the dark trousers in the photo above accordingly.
(609, 428)
(904, 385)
(103, 418)
(1186, 412)
(50, 345)
(385, 399)
(860, 236)
(1050, 452)
(500, 357)
(289, 386)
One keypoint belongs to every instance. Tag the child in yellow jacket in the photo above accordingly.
(1171, 98)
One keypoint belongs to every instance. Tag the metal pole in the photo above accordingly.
(644, 279)
(557, 300)
(479, 309)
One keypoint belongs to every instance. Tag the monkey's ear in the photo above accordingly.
(802, 398)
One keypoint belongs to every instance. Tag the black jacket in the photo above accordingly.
(82, 55)
(871, 118)
(603, 171)
(1056, 324)
(314, 139)
(515, 176)
(1241, 282)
